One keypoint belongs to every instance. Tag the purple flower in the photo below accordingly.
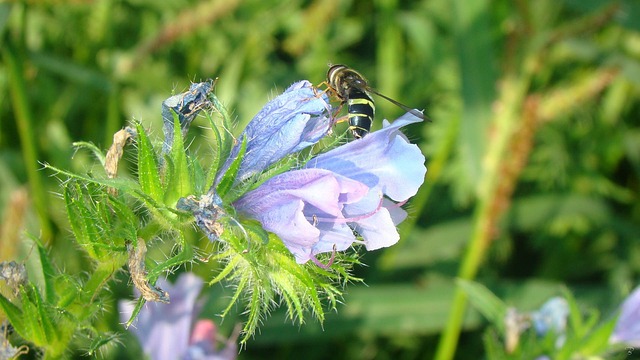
(164, 329)
(294, 120)
(627, 328)
(552, 316)
(357, 187)
(203, 339)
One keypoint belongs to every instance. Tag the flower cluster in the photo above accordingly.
(355, 187)
(299, 203)
(350, 194)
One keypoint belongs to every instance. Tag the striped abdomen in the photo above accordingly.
(361, 110)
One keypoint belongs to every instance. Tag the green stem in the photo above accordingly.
(102, 274)
(113, 115)
(24, 120)
(388, 54)
(489, 207)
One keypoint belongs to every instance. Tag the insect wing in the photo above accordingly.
(413, 112)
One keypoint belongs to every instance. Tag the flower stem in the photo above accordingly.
(24, 120)
(494, 193)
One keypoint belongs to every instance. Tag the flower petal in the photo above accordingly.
(287, 203)
(163, 329)
(294, 120)
(317, 208)
(627, 328)
(384, 159)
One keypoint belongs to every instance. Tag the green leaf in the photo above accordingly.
(87, 227)
(93, 148)
(489, 305)
(219, 157)
(478, 92)
(179, 178)
(128, 187)
(15, 316)
(230, 176)
(123, 185)
(45, 273)
(200, 181)
(575, 315)
(37, 321)
(49, 328)
(99, 279)
(598, 341)
(148, 173)
(127, 225)
(100, 341)
(135, 312)
(185, 255)
(67, 288)
(224, 139)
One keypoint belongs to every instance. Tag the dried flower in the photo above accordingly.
(187, 106)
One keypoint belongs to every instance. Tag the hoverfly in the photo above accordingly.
(352, 88)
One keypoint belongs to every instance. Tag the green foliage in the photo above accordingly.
(113, 218)
(584, 336)
(148, 175)
(266, 273)
(52, 313)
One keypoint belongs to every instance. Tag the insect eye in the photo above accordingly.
(359, 82)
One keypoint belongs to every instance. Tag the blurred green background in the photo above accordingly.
(533, 152)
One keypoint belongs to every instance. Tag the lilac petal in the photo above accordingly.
(627, 328)
(388, 164)
(294, 120)
(287, 203)
(383, 160)
(333, 234)
(378, 230)
(397, 213)
(203, 343)
(552, 316)
(163, 329)
(373, 221)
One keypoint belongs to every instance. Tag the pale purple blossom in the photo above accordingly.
(627, 328)
(164, 330)
(294, 120)
(551, 317)
(358, 186)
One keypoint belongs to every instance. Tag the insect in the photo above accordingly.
(352, 88)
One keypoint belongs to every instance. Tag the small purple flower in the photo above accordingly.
(357, 187)
(552, 316)
(294, 120)
(164, 329)
(627, 328)
(203, 343)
